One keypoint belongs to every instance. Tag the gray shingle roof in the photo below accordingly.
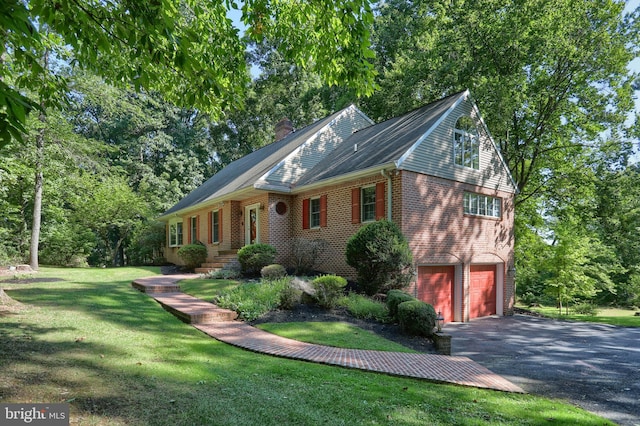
(244, 172)
(381, 143)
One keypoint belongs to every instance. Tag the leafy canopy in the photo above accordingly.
(188, 50)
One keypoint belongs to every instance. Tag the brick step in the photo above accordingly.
(213, 265)
(193, 310)
(155, 287)
(205, 270)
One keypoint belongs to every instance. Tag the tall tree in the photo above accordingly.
(187, 49)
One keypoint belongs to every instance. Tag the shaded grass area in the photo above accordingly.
(118, 358)
(338, 334)
(611, 316)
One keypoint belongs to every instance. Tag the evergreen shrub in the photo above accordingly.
(381, 256)
(193, 255)
(254, 257)
(416, 318)
(273, 272)
(394, 298)
(329, 289)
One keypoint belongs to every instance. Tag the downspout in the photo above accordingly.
(389, 194)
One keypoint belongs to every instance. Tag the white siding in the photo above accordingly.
(317, 147)
(435, 157)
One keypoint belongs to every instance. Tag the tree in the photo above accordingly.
(113, 211)
(188, 50)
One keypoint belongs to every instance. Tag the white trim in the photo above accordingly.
(415, 146)
(499, 289)
(247, 222)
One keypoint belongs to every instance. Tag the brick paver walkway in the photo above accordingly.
(441, 368)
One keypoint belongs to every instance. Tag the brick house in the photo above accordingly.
(434, 171)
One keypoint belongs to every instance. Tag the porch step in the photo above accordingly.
(224, 258)
(193, 310)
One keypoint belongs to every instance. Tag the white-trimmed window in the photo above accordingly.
(482, 205)
(466, 144)
(368, 204)
(314, 212)
(175, 233)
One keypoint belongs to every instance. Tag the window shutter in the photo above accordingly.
(380, 200)
(210, 228)
(168, 233)
(189, 232)
(323, 211)
(305, 213)
(198, 228)
(220, 225)
(355, 205)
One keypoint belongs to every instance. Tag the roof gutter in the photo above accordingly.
(344, 177)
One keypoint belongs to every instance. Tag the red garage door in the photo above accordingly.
(435, 287)
(482, 291)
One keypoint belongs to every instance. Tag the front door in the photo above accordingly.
(252, 225)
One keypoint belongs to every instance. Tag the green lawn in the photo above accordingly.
(120, 359)
(612, 316)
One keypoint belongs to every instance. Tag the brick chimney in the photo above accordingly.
(283, 128)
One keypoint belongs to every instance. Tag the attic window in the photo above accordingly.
(466, 144)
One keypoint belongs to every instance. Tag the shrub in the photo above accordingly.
(586, 309)
(329, 288)
(365, 308)
(193, 255)
(254, 257)
(416, 318)
(251, 300)
(394, 298)
(223, 274)
(307, 254)
(289, 297)
(381, 256)
(273, 272)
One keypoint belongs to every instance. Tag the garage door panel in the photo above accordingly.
(435, 287)
(482, 291)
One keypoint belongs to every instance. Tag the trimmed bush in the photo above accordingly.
(273, 272)
(381, 256)
(394, 298)
(329, 289)
(193, 255)
(254, 257)
(416, 318)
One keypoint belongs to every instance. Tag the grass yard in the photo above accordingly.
(118, 358)
(611, 316)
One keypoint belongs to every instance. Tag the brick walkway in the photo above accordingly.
(211, 320)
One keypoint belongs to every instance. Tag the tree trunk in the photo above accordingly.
(37, 198)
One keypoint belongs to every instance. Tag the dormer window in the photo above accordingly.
(466, 144)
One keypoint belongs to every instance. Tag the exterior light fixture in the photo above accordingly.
(439, 321)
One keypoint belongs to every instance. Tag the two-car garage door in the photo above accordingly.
(436, 286)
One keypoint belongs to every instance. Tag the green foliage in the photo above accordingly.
(329, 289)
(416, 318)
(395, 298)
(168, 48)
(381, 256)
(586, 309)
(289, 297)
(366, 308)
(193, 255)
(251, 300)
(273, 272)
(254, 257)
(147, 244)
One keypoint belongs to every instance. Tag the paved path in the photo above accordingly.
(595, 366)
(440, 368)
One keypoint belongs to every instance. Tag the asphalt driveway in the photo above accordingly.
(594, 366)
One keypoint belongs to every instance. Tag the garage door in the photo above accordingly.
(482, 291)
(435, 287)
